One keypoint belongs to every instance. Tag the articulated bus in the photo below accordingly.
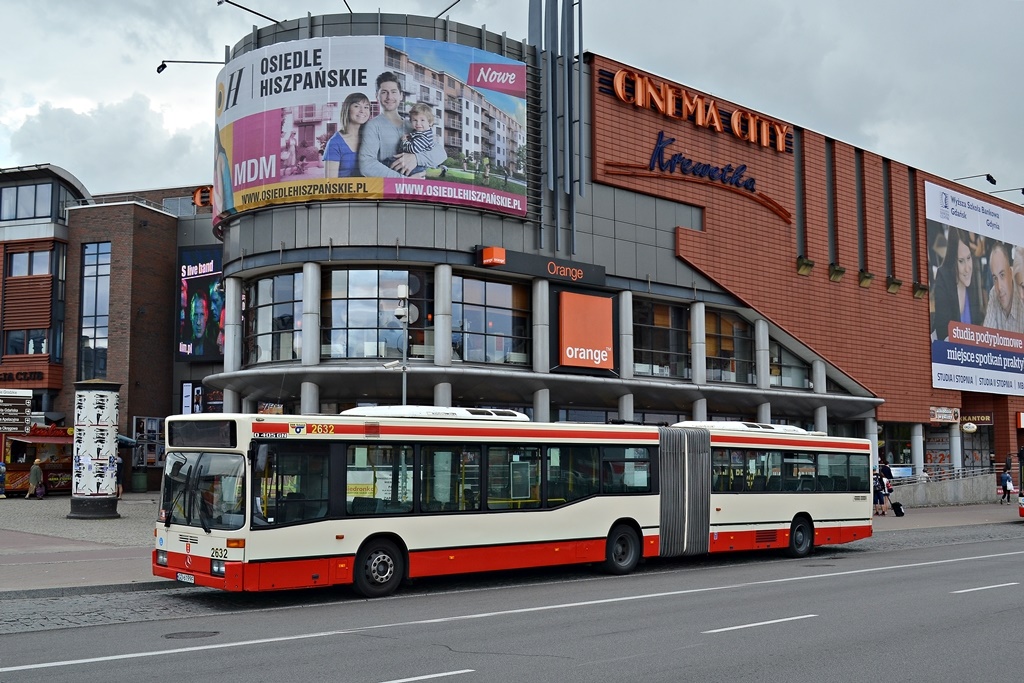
(375, 496)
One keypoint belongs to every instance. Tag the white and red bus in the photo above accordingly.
(378, 495)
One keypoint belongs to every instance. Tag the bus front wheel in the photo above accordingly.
(379, 569)
(623, 551)
(801, 538)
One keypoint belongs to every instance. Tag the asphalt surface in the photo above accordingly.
(45, 554)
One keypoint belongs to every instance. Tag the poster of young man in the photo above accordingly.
(201, 311)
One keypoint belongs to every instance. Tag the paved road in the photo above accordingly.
(45, 554)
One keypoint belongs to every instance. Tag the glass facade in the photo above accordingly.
(273, 319)
(661, 339)
(95, 313)
(491, 322)
(730, 348)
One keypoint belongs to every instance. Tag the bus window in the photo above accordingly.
(379, 479)
(572, 473)
(625, 470)
(513, 477)
(290, 485)
(449, 478)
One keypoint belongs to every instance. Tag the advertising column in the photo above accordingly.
(94, 475)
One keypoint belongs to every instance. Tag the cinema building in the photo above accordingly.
(600, 243)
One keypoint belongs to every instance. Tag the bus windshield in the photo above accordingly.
(205, 490)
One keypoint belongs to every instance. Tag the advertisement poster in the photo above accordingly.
(370, 117)
(976, 261)
(201, 310)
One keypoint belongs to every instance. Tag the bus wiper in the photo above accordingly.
(204, 516)
(175, 476)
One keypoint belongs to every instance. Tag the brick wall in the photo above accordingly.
(879, 339)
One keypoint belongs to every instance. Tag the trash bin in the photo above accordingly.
(139, 480)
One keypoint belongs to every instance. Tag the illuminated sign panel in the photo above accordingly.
(370, 117)
(585, 331)
(976, 253)
(201, 309)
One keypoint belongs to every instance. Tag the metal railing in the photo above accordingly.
(945, 474)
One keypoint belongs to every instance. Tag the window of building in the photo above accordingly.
(787, 370)
(180, 206)
(357, 314)
(661, 339)
(26, 201)
(730, 348)
(26, 342)
(490, 322)
(28, 263)
(95, 315)
(273, 319)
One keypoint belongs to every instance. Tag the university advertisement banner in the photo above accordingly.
(370, 117)
(976, 261)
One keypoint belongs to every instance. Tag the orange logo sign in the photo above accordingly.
(585, 331)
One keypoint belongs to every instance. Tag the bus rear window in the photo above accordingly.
(201, 434)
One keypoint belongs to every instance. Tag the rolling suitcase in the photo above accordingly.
(897, 508)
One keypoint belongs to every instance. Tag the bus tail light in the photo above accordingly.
(161, 558)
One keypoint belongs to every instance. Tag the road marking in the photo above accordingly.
(759, 623)
(501, 613)
(429, 676)
(983, 588)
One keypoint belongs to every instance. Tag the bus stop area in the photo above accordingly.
(45, 554)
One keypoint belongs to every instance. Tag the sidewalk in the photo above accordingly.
(45, 554)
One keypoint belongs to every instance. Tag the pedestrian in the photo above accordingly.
(1007, 481)
(3, 479)
(35, 480)
(886, 472)
(879, 492)
(119, 468)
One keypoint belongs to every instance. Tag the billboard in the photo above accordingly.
(201, 308)
(370, 117)
(585, 331)
(976, 261)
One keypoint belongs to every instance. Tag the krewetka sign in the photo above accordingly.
(370, 117)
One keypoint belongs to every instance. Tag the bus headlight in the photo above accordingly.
(161, 558)
(217, 567)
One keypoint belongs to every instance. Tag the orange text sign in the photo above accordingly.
(585, 331)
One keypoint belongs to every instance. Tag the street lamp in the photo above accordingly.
(986, 176)
(402, 313)
(230, 2)
(163, 65)
(1012, 189)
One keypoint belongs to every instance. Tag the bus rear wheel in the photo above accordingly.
(379, 569)
(801, 538)
(623, 551)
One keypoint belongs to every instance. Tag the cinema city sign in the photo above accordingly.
(673, 102)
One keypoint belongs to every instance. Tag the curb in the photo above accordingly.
(68, 591)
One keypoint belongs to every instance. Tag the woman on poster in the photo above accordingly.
(341, 158)
(957, 293)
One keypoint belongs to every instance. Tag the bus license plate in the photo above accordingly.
(186, 578)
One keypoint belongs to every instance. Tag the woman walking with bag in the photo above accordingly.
(35, 481)
(1007, 481)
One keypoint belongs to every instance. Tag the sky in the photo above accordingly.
(929, 83)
